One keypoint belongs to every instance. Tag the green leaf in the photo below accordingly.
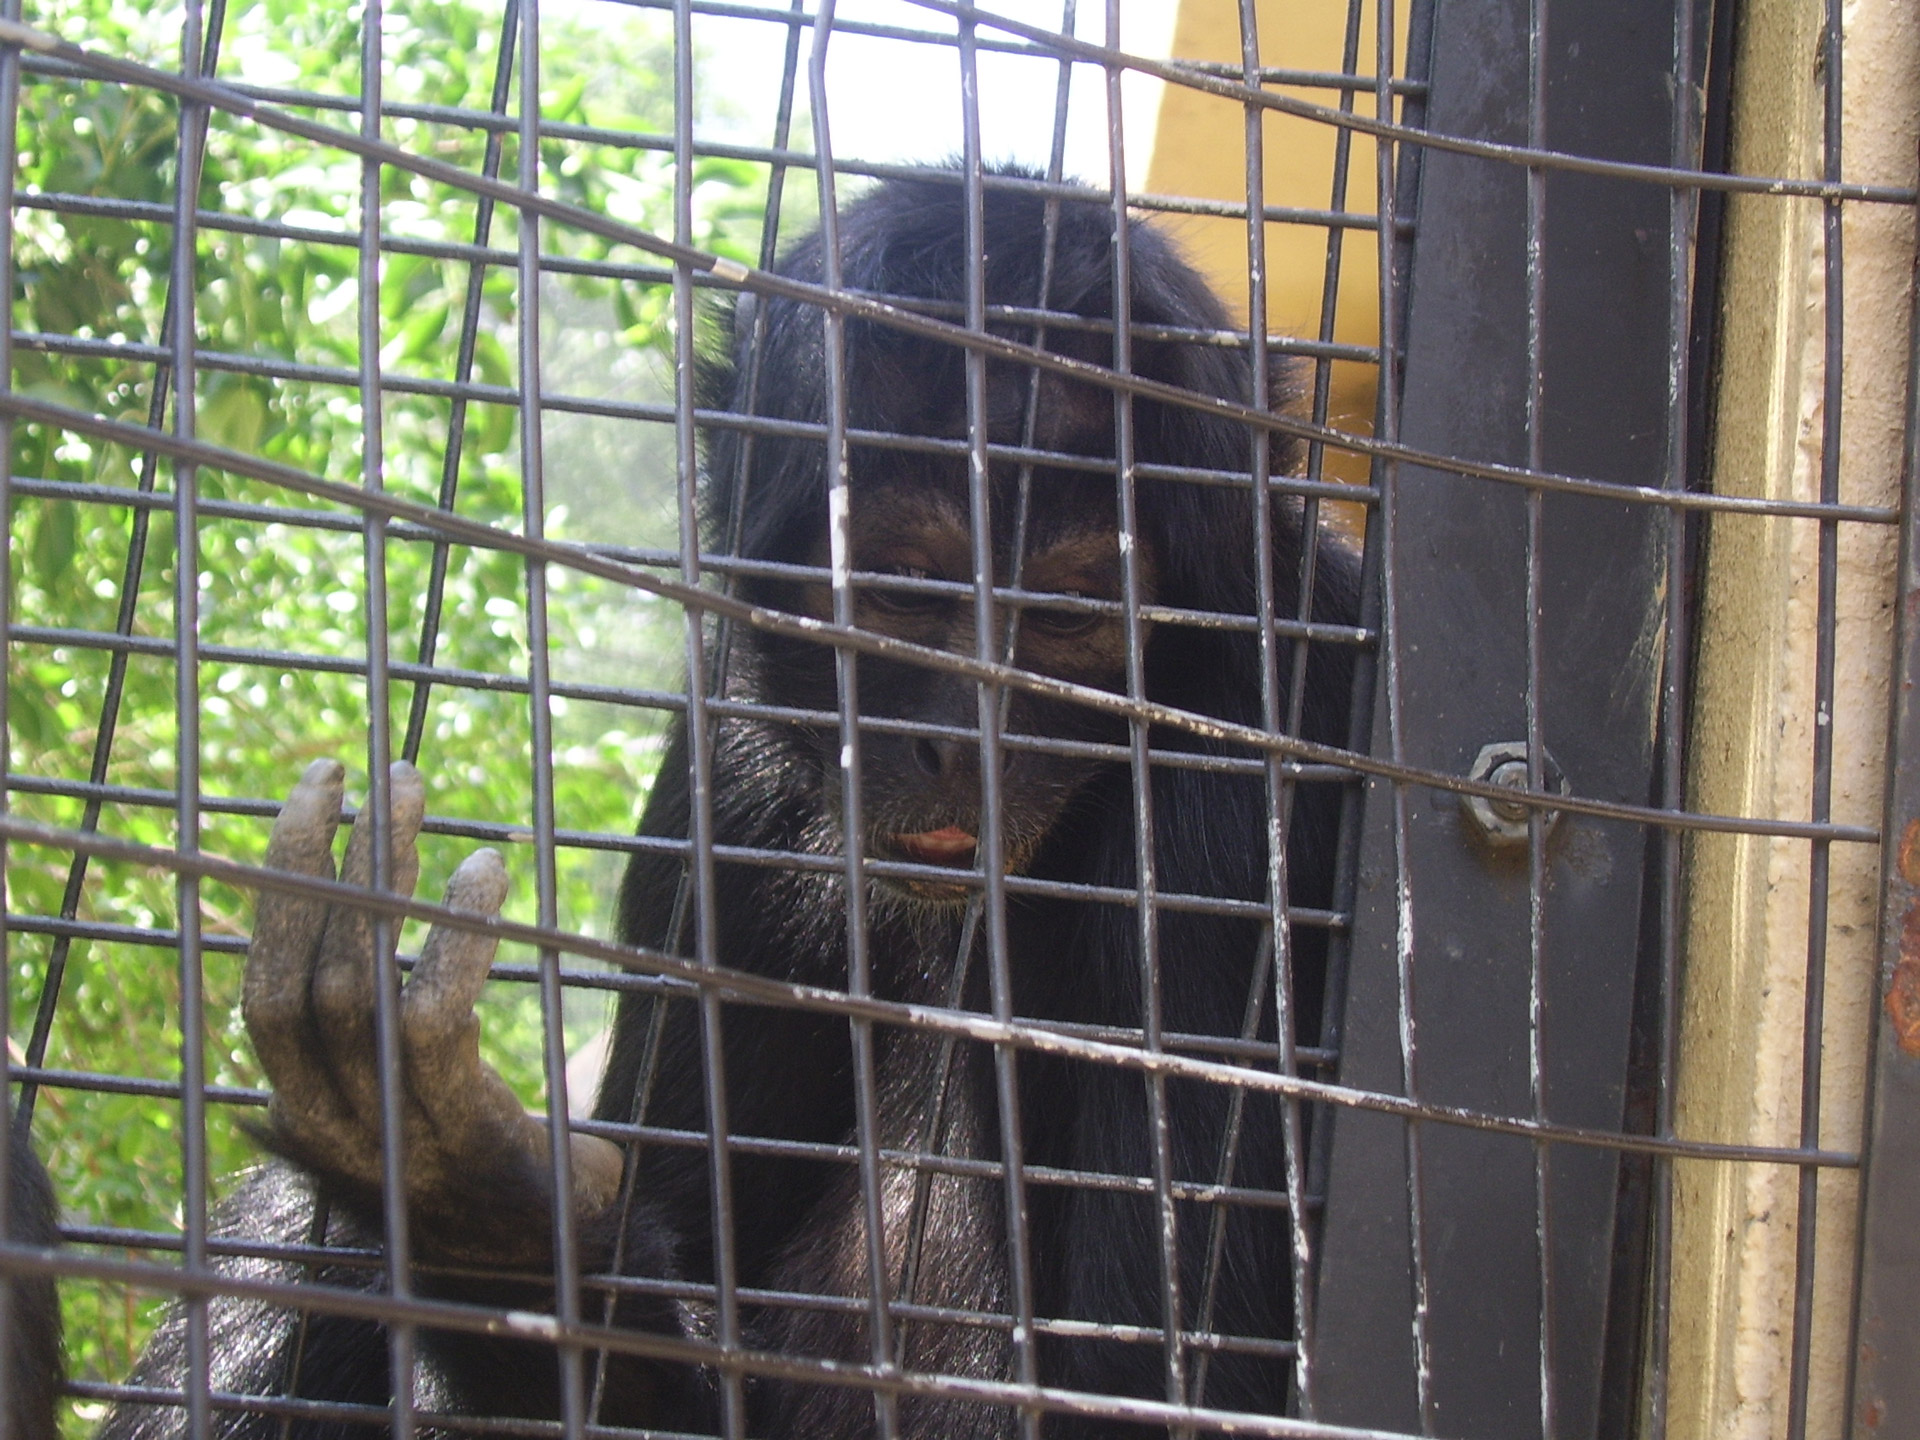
(233, 414)
(55, 537)
(563, 103)
(419, 338)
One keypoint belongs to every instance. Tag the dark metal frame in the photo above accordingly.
(1475, 1269)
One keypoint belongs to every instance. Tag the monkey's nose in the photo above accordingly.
(942, 759)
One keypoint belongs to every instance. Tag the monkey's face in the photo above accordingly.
(1058, 579)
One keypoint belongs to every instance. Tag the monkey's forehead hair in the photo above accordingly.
(911, 238)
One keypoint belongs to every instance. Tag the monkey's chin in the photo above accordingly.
(930, 892)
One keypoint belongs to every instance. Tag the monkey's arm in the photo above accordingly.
(478, 1169)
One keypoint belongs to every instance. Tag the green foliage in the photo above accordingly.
(283, 605)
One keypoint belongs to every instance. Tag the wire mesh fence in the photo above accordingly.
(1163, 824)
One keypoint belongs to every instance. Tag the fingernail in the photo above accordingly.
(324, 771)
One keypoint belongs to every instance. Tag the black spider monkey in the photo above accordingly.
(478, 1186)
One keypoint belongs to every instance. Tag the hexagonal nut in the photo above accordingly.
(1503, 823)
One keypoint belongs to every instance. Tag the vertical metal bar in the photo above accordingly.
(1386, 477)
(682, 913)
(1160, 1140)
(706, 924)
(9, 132)
(847, 686)
(1833, 397)
(992, 837)
(743, 468)
(1682, 206)
(933, 1123)
(1030, 420)
(186, 517)
(401, 1339)
(1392, 244)
(140, 529)
(1279, 787)
(1323, 372)
(1329, 310)
(113, 693)
(1229, 1155)
(385, 933)
(463, 360)
(1536, 280)
(847, 682)
(1006, 1059)
(566, 1256)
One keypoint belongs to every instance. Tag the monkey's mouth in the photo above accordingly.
(949, 846)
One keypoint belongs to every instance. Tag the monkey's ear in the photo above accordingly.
(744, 309)
(1289, 393)
(1289, 383)
(722, 332)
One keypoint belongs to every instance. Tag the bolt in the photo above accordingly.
(1513, 775)
(1502, 823)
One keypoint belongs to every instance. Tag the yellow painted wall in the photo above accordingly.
(1200, 150)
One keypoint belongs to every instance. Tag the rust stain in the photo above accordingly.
(1903, 1003)
(1910, 853)
(1903, 992)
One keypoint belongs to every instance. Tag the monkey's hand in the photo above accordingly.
(478, 1168)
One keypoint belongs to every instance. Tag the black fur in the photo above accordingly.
(797, 1222)
(34, 1364)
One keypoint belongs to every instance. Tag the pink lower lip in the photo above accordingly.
(948, 846)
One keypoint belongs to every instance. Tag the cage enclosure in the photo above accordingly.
(1113, 719)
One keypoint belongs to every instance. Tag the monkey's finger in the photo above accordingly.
(343, 976)
(287, 928)
(462, 1095)
(473, 1116)
(286, 936)
(436, 1008)
(302, 838)
(406, 803)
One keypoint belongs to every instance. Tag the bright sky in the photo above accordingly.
(890, 100)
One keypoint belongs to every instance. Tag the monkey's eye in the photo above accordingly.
(899, 600)
(1059, 621)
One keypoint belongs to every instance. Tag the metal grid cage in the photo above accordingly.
(366, 368)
